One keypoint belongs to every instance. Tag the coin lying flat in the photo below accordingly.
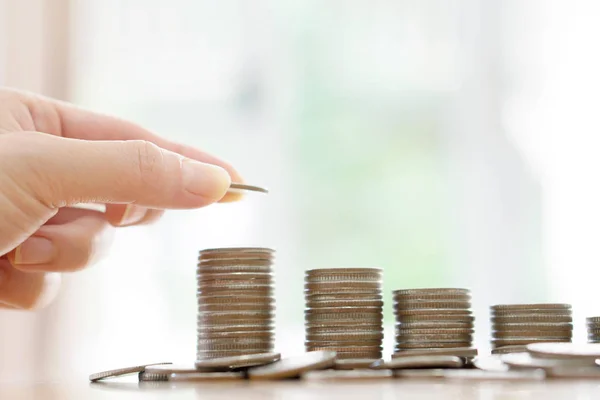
(352, 375)
(354, 363)
(427, 361)
(236, 362)
(121, 371)
(294, 366)
(491, 363)
(525, 360)
(242, 187)
(206, 376)
(458, 352)
(564, 350)
(480, 375)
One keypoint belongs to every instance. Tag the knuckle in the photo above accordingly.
(149, 160)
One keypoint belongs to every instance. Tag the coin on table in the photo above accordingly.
(490, 363)
(236, 362)
(354, 363)
(458, 352)
(415, 362)
(121, 371)
(525, 360)
(356, 374)
(294, 366)
(206, 376)
(242, 187)
(564, 350)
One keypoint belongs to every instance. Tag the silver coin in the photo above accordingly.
(529, 307)
(294, 366)
(429, 345)
(351, 335)
(431, 291)
(420, 304)
(241, 188)
(121, 371)
(437, 338)
(206, 376)
(344, 303)
(354, 363)
(564, 351)
(531, 333)
(352, 375)
(330, 271)
(236, 362)
(424, 361)
(465, 352)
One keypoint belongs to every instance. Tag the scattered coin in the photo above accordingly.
(121, 371)
(245, 361)
(355, 374)
(525, 360)
(491, 363)
(415, 362)
(294, 366)
(206, 376)
(354, 363)
(568, 351)
(242, 187)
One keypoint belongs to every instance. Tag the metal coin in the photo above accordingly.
(222, 250)
(344, 303)
(376, 344)
(310, 297)
(425, 361)
(345, 316)
(242, 187)
(432, 291)
(432, 297)
(294, 366)
(342, 348)
(221, 264)
(212, 354)
(427, 345)
(350, 335)
(352, 375)
(349, 355)
(342, 310)
(531, 333)
(408, 332)
(515, 313)
(509, 349)
(525, 341)
(354, 363)
(593, 320)
(432, 312)
(231, 342)
(402, 319)
(206, 376)
(529, 307)
(234, 276)
(267, 334)
(237, 362)
(412, 305)
(144, 376)
(373, 329)
(234, 307)
(227, 300)
(539, 326)
(532, 318)
(333, 271)
(335, 286)
(525, 360)
(564, 350)
(490, 363)
(437, 338)
(435, 325)
(121, 371)
(464, 352)
(344, 277)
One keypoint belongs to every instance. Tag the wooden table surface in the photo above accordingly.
(313, 390)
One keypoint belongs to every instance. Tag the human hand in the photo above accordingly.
(53, 156)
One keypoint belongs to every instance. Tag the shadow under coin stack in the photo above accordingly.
(514, 326)
(236, 306)
(432, 319)
(593, 329)
(344, 312)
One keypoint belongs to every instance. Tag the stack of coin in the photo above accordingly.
(593, 329)
(428, 319)
(516, 325)
(236, 306)
(344, 312)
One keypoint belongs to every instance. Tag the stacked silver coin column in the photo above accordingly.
(593, 329)
(428, 319)
(236, 308)
(516, 325)
(344, 311)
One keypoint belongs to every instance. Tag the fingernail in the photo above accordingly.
(205, 180)
(35, 250)
(132, 215)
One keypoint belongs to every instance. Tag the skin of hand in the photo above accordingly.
(54, 155)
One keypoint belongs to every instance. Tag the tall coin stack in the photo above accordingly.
(516, 325)
(428, 319)
(235, 302)
(344, 311)
(593, 329)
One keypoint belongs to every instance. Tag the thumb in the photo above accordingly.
(59, 171)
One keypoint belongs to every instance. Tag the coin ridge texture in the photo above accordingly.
(122, 371)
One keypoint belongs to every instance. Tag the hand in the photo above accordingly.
(54, 155)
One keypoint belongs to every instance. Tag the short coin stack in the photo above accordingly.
(428, 319)
(593, 329)
(516, 325)
(344, 312)
(235, 302)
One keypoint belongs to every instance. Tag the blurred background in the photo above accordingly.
(449, 143)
